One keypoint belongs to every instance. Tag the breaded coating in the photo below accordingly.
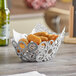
(41, 34)
(43, 38)
(25, 41)
(34, 38)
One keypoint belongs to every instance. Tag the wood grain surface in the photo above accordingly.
(71, 22)
(64, 63)
(69, 40)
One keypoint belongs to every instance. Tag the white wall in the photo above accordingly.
(25, 25)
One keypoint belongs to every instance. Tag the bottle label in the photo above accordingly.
(4, 32)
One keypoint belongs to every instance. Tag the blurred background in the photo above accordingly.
(25, 14)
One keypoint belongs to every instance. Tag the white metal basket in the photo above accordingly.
(33, 52)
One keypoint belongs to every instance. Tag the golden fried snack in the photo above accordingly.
(52, 37)
(55, 37)
(41, 34)
(34, 38)
(49, 37)
(18, 51)
(43, 44)
(25, 41)
(43, 38)
(51, 42)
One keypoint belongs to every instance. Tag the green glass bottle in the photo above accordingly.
(4, 23)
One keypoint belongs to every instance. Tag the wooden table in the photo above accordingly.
(64, 64)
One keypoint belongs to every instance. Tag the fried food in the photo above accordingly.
(41, 34)
(51, 42)
(43, 44)
(43, 38)
(49, 37)
(56, 36)
(52, 37)
(38, 38)
(34, 38)
(18, 51)
(25, 41)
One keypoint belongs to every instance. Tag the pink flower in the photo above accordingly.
(37, 4)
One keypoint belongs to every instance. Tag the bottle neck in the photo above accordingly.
(3, 4)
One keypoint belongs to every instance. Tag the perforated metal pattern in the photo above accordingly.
(34, 52)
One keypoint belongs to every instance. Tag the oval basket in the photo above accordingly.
(33, 52)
